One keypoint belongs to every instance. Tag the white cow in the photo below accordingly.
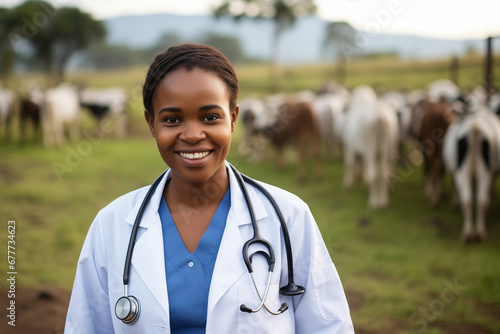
(330, 110)
(7, 100)
(370, 133)
(108, 103)
(471, 152)
(61, 108)
(400, 104)
(443, 90)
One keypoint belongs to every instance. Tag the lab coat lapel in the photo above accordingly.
(148, 257)
(229, 266)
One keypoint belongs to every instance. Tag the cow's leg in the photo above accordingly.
(22, 127)
(280, 159)
(349, 160)
(384, 179)
(121, 125)
(484, 181)
(58, 127)
(464, 187)
(8, 124)
(316, 142)
(301, 146)
(47, 128)
(372, 181)
(435, 185)
(75, 129)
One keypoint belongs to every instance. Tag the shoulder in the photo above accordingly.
(287, 201)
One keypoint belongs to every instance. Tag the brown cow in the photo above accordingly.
(429, 124)
(296, 124)
(29, 113)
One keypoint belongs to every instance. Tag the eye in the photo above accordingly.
(211, 118)
(171, 120)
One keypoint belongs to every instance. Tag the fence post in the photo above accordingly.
(489, 69)
(454, 70)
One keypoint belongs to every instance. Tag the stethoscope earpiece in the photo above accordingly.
(127, 309)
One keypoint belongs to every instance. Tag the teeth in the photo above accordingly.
(197, 155)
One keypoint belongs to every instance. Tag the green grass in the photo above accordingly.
(394, 264)
(398, 259)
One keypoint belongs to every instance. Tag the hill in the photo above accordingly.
(300, 44)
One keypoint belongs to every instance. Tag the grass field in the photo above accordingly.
(403, 268)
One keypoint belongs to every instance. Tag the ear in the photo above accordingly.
(234, 117)
(150, 120)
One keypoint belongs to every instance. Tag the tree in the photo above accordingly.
(229, 45)
(340, 35)
(7, 54)
(164, 42)
(104, 56)
(283, 12)
(52, 34)
(72, 31)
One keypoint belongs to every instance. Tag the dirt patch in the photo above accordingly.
(355, 299)
(8, 175)
(43, 311)
(448, 327)
(40, 311)
(389, 327)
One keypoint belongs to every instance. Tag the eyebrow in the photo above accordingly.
(178, 110)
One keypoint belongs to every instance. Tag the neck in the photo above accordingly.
(196, 195)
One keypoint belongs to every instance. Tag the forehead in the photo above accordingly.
(191, 85)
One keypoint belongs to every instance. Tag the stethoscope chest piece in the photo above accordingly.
(127, 309)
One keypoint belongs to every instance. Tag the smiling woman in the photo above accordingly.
(185, 233)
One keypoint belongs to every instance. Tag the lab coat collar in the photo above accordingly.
(153, 204)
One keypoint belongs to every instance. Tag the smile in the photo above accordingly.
(193, 156)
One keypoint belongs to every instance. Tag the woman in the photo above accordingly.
(187, 267)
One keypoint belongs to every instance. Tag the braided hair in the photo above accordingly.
(189, 56)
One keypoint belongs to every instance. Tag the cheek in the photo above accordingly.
(164, 138)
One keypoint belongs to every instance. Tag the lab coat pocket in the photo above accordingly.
(261, 322)
(328, 293)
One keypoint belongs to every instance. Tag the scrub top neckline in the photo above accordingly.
(175, 249)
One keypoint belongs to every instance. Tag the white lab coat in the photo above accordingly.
(98, 283)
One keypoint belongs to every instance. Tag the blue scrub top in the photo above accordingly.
(189, 274)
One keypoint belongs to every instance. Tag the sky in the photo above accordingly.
(449, 19)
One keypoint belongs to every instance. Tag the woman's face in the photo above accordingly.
(193, 123)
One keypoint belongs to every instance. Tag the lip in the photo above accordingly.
(198, 162)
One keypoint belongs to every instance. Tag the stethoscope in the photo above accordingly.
(127, 308)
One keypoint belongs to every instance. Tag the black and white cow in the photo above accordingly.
(471, 152)
(107, 103)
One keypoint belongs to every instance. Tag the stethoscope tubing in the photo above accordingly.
(133, 306)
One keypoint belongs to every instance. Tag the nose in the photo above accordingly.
(192, 132)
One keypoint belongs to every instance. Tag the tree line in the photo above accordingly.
(43, 37)
(36, 36)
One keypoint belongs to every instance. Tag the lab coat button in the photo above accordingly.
(191, 264)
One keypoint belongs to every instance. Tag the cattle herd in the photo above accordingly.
(55, 114)
(451, 130)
